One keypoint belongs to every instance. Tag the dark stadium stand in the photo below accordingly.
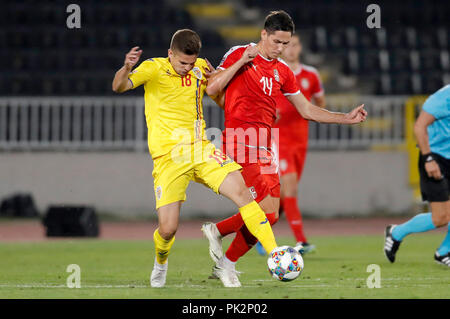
(408, 55)
(44, 57)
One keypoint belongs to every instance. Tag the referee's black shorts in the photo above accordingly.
(435, 190)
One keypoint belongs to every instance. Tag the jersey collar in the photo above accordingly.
(269, 60)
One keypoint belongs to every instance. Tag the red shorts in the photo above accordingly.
(260, 171)
(292, 159)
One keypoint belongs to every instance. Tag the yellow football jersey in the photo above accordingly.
(173, 104)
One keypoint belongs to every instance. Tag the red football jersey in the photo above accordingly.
(293, 127)
(251, 96)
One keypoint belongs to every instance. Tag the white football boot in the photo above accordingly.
(215, 240)
(159, 273)
(227, 274)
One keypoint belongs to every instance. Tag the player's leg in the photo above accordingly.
(222, 175)
(164, 237)
(252, 214)
(289, 188)
(437, 194)
(423, 222)
(244, 241)
(265, 187)
(171, 180)
(291, 164)
(442, 254)
(264, 184)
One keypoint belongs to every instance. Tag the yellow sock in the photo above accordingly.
(162, 247)
(258, 225)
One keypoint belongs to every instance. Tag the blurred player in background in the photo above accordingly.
(293, 139)
(174, 88)
(432, 130)
(253, 77)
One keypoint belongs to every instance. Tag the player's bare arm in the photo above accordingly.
(121, 83)
(312, 112)
(320, 101)
(220, 97)
(420, 130)
(220, 79)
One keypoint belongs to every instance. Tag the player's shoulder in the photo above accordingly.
(443, 92)
(310, 69)
(235, 50)
(238, 48)
(283, 66)
(438, 98)
(154, 62)
(200, 62)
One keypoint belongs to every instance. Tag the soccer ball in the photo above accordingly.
(285, 263)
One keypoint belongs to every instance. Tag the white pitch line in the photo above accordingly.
(65, 286)
(59, 286)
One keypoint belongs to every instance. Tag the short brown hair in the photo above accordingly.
(279, 21)
(186, 41)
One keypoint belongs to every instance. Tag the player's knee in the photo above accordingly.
(440, 220)
(243, 193)
(167, 232)
(290, 192)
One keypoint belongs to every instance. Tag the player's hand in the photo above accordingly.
(209, 70)
(249, 54)
(132, 57)
(357, 115)
(433, 170)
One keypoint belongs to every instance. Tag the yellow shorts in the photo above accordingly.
(201, 162)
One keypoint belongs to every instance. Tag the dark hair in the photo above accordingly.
(186, 41)
(279, 21)
(298, 36)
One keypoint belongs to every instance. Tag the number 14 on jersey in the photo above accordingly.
(267, 85)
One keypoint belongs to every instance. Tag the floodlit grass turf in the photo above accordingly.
(120, 269)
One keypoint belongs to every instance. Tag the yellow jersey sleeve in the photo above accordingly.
(146, 71)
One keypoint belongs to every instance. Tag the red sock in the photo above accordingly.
(244, 241)
(230, 225)
(294, 218)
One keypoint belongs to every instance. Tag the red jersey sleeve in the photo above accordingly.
(289, 85)
(232, 56)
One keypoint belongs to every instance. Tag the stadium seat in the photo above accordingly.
(414, 38)
(432, 82)
(430, 60)
(400, 60)
(402, 84)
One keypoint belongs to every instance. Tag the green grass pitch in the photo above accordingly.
(120, 269)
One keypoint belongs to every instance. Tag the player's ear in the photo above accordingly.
(169, 53)
(263, 34)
